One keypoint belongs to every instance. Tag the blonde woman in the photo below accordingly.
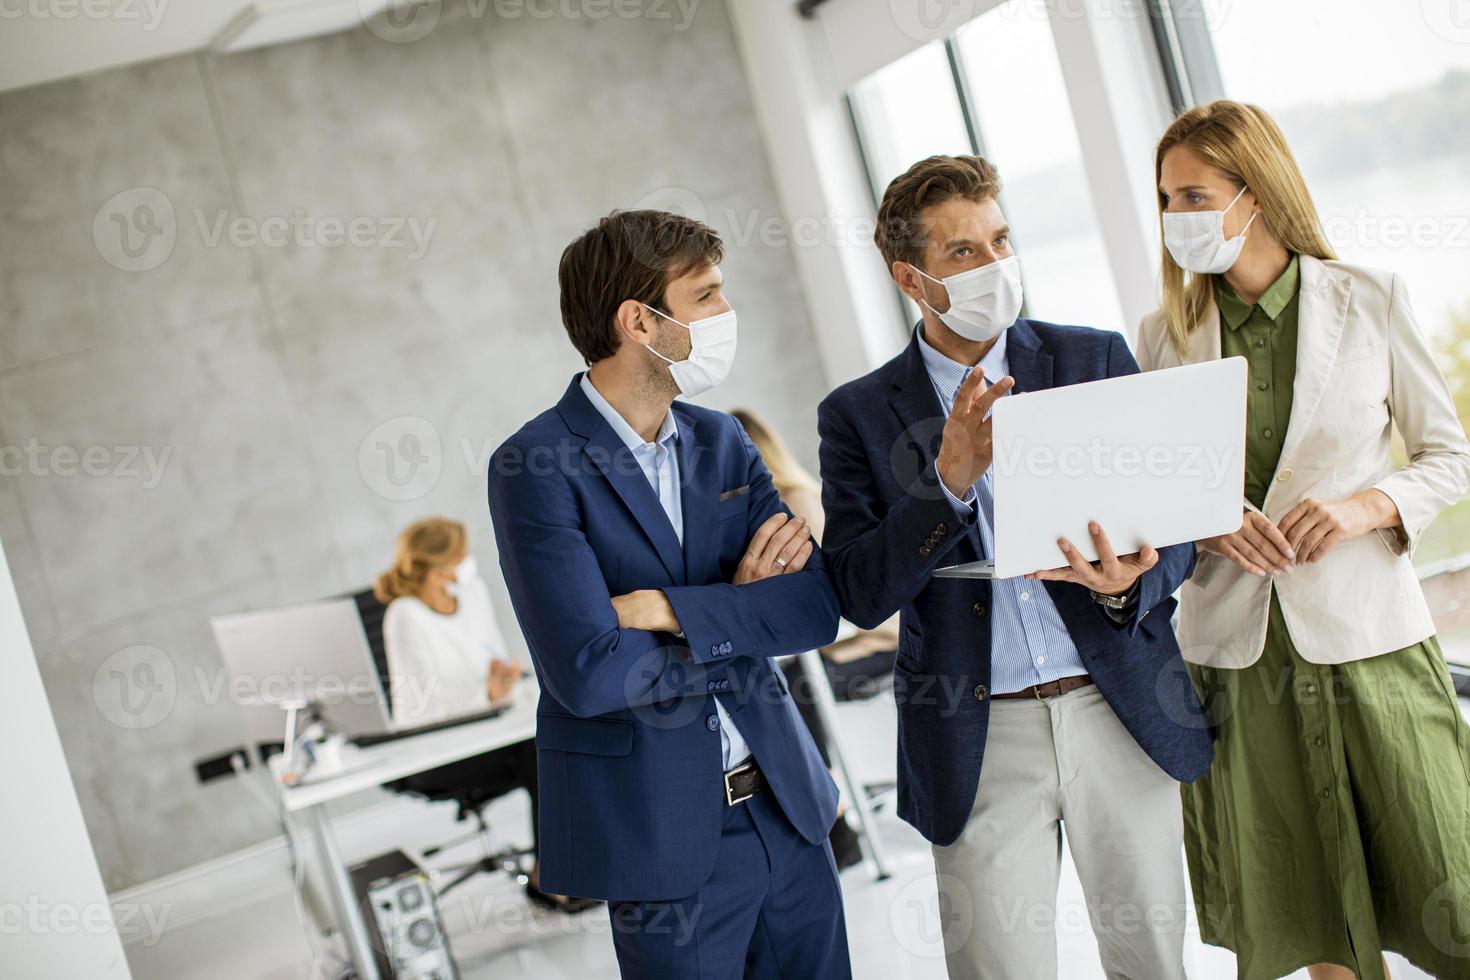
(1335, 823)
(446, 658)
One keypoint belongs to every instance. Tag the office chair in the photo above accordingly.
(469, 801)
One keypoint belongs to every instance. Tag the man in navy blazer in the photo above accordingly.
(1024, 705)
(655, 572)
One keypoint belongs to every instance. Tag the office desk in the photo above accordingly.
(371, 767)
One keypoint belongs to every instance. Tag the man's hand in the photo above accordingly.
(646, 609)
(1258, 547)
(1314, 527)
(965, 450)
(502, 679)
(1109, 575)
(780, 546)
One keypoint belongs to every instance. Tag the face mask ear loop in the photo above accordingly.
(921, 292)
(649, 347)
(1254, 215)
(1234, 199)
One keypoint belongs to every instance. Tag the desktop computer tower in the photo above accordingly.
(402, 919)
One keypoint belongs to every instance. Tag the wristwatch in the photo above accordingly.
(1116, 601)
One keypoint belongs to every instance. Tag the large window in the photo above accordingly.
(996, 88)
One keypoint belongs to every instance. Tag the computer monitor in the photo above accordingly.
(315, 652)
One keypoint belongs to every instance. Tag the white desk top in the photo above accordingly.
(369, 767)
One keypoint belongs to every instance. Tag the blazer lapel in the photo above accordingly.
(608, 453)
(1321, 315)
(699, 489)
(1204, 342)
(1029, 364)
(917, 406)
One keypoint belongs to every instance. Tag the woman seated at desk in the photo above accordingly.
(446, 658)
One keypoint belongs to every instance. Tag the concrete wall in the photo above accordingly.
(194, 421)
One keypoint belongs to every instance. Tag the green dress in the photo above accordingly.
(1335, 822)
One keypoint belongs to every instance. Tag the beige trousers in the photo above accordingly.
(1067, 762)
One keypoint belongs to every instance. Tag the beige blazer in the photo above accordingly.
(1363, 367)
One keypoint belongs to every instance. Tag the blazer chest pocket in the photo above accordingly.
(1360, 352)
(590, 736)
(733, 504)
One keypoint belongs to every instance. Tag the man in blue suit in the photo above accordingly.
(1025, 705)
(655, 572)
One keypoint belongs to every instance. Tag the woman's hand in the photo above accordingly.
(1259, 547)
(502, 679)
(1314, 527)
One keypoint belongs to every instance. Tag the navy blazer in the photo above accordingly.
(889, 526)
(627, 737)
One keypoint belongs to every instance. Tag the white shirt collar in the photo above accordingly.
(948, 374)
(667, 432)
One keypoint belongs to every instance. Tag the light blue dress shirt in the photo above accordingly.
(1029, 643)
(659, 461)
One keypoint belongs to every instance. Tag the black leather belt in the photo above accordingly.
(743, 782)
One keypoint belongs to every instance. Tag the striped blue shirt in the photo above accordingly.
(1029, 643)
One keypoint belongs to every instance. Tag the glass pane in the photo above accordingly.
(907, 111)
(1376, 107)
(1025, 126)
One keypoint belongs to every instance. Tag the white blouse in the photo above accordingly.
(439, 664)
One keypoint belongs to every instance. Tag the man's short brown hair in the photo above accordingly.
(901, 234)
(628, 255)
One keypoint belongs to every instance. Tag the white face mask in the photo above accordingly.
(1196, 240)
(711, 352)
(464, 573)
(983, 301)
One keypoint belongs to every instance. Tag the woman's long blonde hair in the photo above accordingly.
(1244, 143)
(424, 545)
(786, 473)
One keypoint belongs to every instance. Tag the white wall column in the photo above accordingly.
(55, 920)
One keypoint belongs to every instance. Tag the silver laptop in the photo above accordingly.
(1156, 459)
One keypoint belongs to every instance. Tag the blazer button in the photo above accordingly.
(712, 723)
(926, 551)
(981, 692)
(978, 609)
(941, 530)
(727, 647)
(712, 686)
(714, 650)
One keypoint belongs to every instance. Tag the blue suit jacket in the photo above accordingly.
(889, 526)
(627, 735)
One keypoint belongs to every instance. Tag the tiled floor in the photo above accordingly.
(892, 932)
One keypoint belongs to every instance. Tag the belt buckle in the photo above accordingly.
(1036, 692)
(730, 798)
